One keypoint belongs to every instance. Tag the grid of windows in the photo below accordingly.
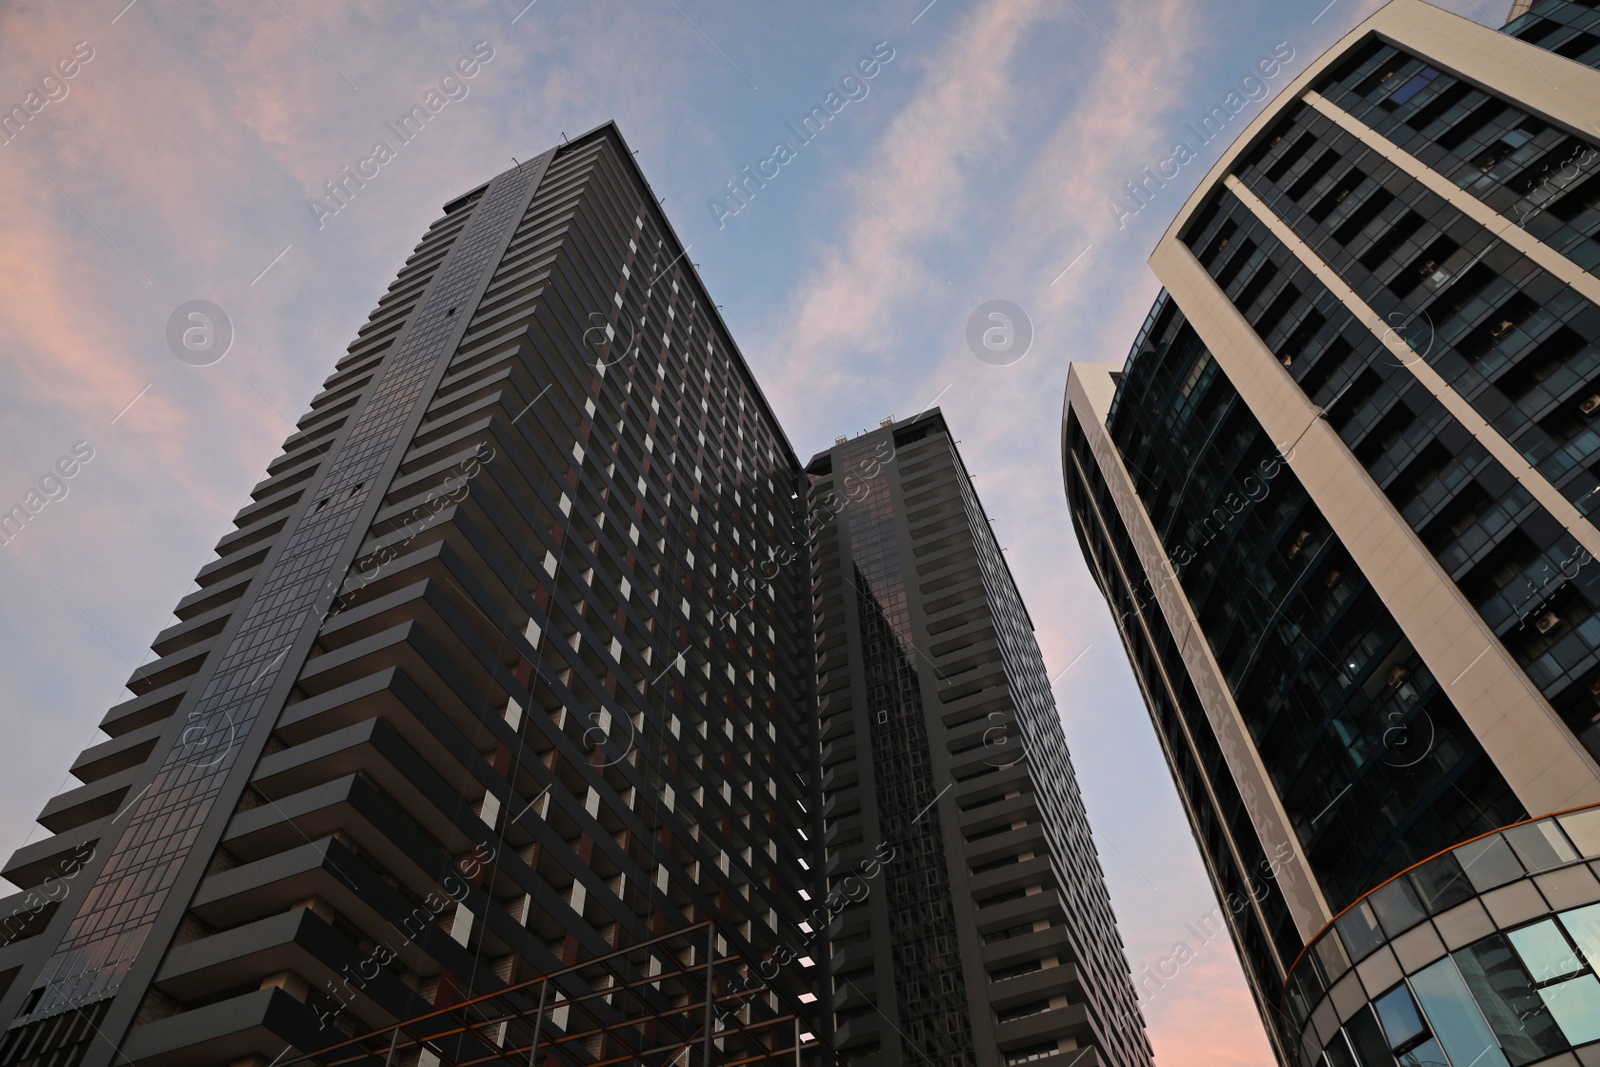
(1372, 762)
(968, 766)
(1569, 28)
(1519, 346)
(559, 705)
(1230, 847)
(1540, 176)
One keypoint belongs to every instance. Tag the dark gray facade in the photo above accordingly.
(469, 694)
(943, 751)
(509, 670)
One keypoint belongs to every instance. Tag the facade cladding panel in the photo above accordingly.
(1351, 466)
(941, 742)
(472, 654)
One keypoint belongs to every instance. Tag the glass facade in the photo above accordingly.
(1371, 761)
(1485, 954)
(1233, 854)
(1458, 363)
(1522, 348)
(930, 989)
(941, 740)
(120, 909)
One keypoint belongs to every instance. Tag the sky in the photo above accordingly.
(183, 158)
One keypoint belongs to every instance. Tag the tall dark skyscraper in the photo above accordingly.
(502, 688)
(468, 651)
(1340, 499)
(940, 737)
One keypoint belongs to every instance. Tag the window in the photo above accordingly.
(1455, 1016)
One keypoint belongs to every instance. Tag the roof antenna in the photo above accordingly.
(519, 165)
(563, 136)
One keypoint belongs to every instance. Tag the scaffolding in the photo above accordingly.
(656, 1003)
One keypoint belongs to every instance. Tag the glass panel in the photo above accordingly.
(1584, 926)
(1488, 862)
(1545, 952)
(1441, 884)
(1576, 1006)
(1584, 829)
(1398, 1013)
(1397, 906)
(1540, 845)
(1502, 989)
(1454, 1016)
(1330, 953)
(1338, 1053)
(1359, 928)
(1427, 1054)
(1371, 1049)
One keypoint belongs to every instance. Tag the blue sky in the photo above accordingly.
(980, 162)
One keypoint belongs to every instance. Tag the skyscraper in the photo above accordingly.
(1340, 501)
(940, 738)
(468, 657)
(503, 688)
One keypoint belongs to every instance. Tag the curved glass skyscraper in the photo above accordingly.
(1341, 499)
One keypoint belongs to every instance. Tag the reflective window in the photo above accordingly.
(1488, 862)
(1455, 1017)
(1583, 926)
(1368, 1040)
(1540, 845)
(1360, 930)
(1442, 883)
(1397, 906)
(1505, 993)
(1576, 1006)
(1545, 952)
(1402, 1024)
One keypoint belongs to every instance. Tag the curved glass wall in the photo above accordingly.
(1371, 760)
(1487, 955)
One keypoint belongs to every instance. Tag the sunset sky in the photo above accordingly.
(184, 158)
